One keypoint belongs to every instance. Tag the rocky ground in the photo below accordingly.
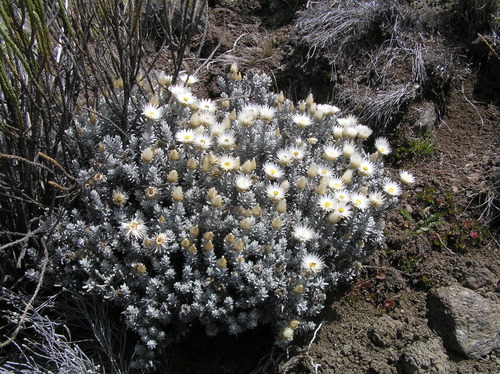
(427, 302)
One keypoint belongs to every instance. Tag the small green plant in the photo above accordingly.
(461, 235)
(373, 290)
(423, 226)
(420, 147)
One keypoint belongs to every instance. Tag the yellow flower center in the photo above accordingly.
(160, 240)
(327, 204)
(276, 193)
(341, 210)
(227, 164)
(312, 265)
(365, 168)
(133, 225)
(187, 137)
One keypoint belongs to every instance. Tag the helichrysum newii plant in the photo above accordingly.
(229, 213)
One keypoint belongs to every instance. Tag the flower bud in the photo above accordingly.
(172, 176)
(310, 99)
(216, 201)
(222, 262)
(208, 235)
(192, 249)
(256, 210)
(195, 120)
(93, 118)
(281, 98)
(298, 289)
(301, 183)
(173, 155)
(294, 324)
(312, 171)
(212, 192)
(230, 238)
(302, 106)
(281, 206)
(151, 193)
(209, 245)
(276, 223)
(192, 164)
(347, 176)
(238, 245)
(185, 243)
(195, 230)
(334, 217)
(245, 224)
(178, 194)
(287, 334)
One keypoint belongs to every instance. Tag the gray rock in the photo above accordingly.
(468, 323)
(425, 357)
(384, 331)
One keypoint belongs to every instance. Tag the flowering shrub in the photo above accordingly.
(229, 213)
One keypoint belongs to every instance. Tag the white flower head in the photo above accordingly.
(164, 79)
(273, 171)
(342, 196)
(331, 152)
(366, 168)
(312, 263)
(188, 79)
(160, 242)
(337, 132)
(364, 132)
(202, 141)
(302, 120)
(206, 118)
(243, 182)
(275, 192)
(382, 145)
(134, 229)
(284, 156)
(324, 171)
(406, 177)
(328, 110)
(348, 149)
(266, 113)
(119, 197)
(247, 117)
(327, 202)
(151, 112)
(183, 95)
(297, 152)
(186, 136)
(226, 140)
(343, 210)
(348, 121)
(376, 198)
(228, 163)
(359, 201)
(217, 129)
(207, 105)
(303, 233)
(392, 189)
(336, 183)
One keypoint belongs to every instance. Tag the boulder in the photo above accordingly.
(468, 323)
(425, 357)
